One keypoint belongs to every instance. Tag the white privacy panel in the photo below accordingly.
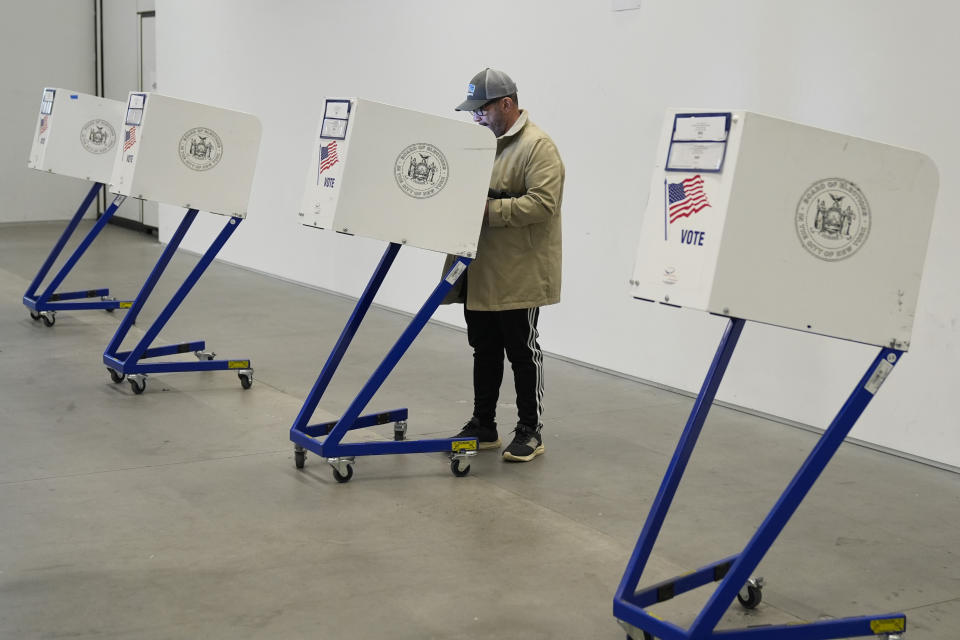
(76, 134)
(398, 175)
(760, 218)
(185, 153)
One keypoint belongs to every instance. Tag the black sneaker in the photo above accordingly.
(486, 435)
(527, 444)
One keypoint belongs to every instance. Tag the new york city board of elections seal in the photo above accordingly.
(98, 136)
(833, 219)
(421, 170)
(200, 148)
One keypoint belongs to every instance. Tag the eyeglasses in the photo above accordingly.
(482, 111)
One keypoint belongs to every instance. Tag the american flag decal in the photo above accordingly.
(328, 156)
(44, 123)
(129, 138)
(686, 198)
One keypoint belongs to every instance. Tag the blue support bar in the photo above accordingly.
(821, 629)
(62, 242)
(130, 362)
(653, 625)
(794, 494)
(370, 420)
(734, 572)
(173, 349)
(404, 446)
(82, 247)
(113, 362)
(818, 630)
(678, 464)
(108, 305)
(173, 367)
(188, 284)
(346, 336)
(663, 591)
(307, 436)
(77, 295)
(393, 357)
(51, 301)
(184, 347)
(131, 317)
(301, 439)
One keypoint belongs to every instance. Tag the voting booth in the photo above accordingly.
(198, 157)
(398, 175)
(76, 136)
(407, 178)
(187, 154)
(757, 218)
(789, 225)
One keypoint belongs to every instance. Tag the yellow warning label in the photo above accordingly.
(238, 364)
(888, 625)
(463, 445)
(125, 305)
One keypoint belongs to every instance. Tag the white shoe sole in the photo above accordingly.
(536, 452)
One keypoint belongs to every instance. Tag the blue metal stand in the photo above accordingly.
(45, 305)
(341, 456)
(733, 573)
(129, 364)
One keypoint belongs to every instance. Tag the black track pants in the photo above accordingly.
(514, 332)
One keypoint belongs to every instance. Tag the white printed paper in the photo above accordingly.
(333, 128)
(337, 110)
(701, 128)
(696, 156)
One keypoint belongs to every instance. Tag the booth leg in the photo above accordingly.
(131, 317)
(343, 342)
(795, 492)
(681, 456)
(396, 352)
(79, 251)
(61, 243)
(181, 293)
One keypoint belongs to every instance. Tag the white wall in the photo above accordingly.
(598, 82)
(43, 43)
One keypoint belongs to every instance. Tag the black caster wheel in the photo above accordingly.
(138, 387)
(299, 458)
(246, 380)
(49, 320)
(339, 477)
(34, 316)
(115, 375)
(458, 468)
(753, 598)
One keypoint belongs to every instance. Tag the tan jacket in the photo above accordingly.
(519, 251)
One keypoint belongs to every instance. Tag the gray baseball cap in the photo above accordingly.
(487, 85)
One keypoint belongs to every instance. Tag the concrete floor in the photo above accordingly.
(179, 513)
